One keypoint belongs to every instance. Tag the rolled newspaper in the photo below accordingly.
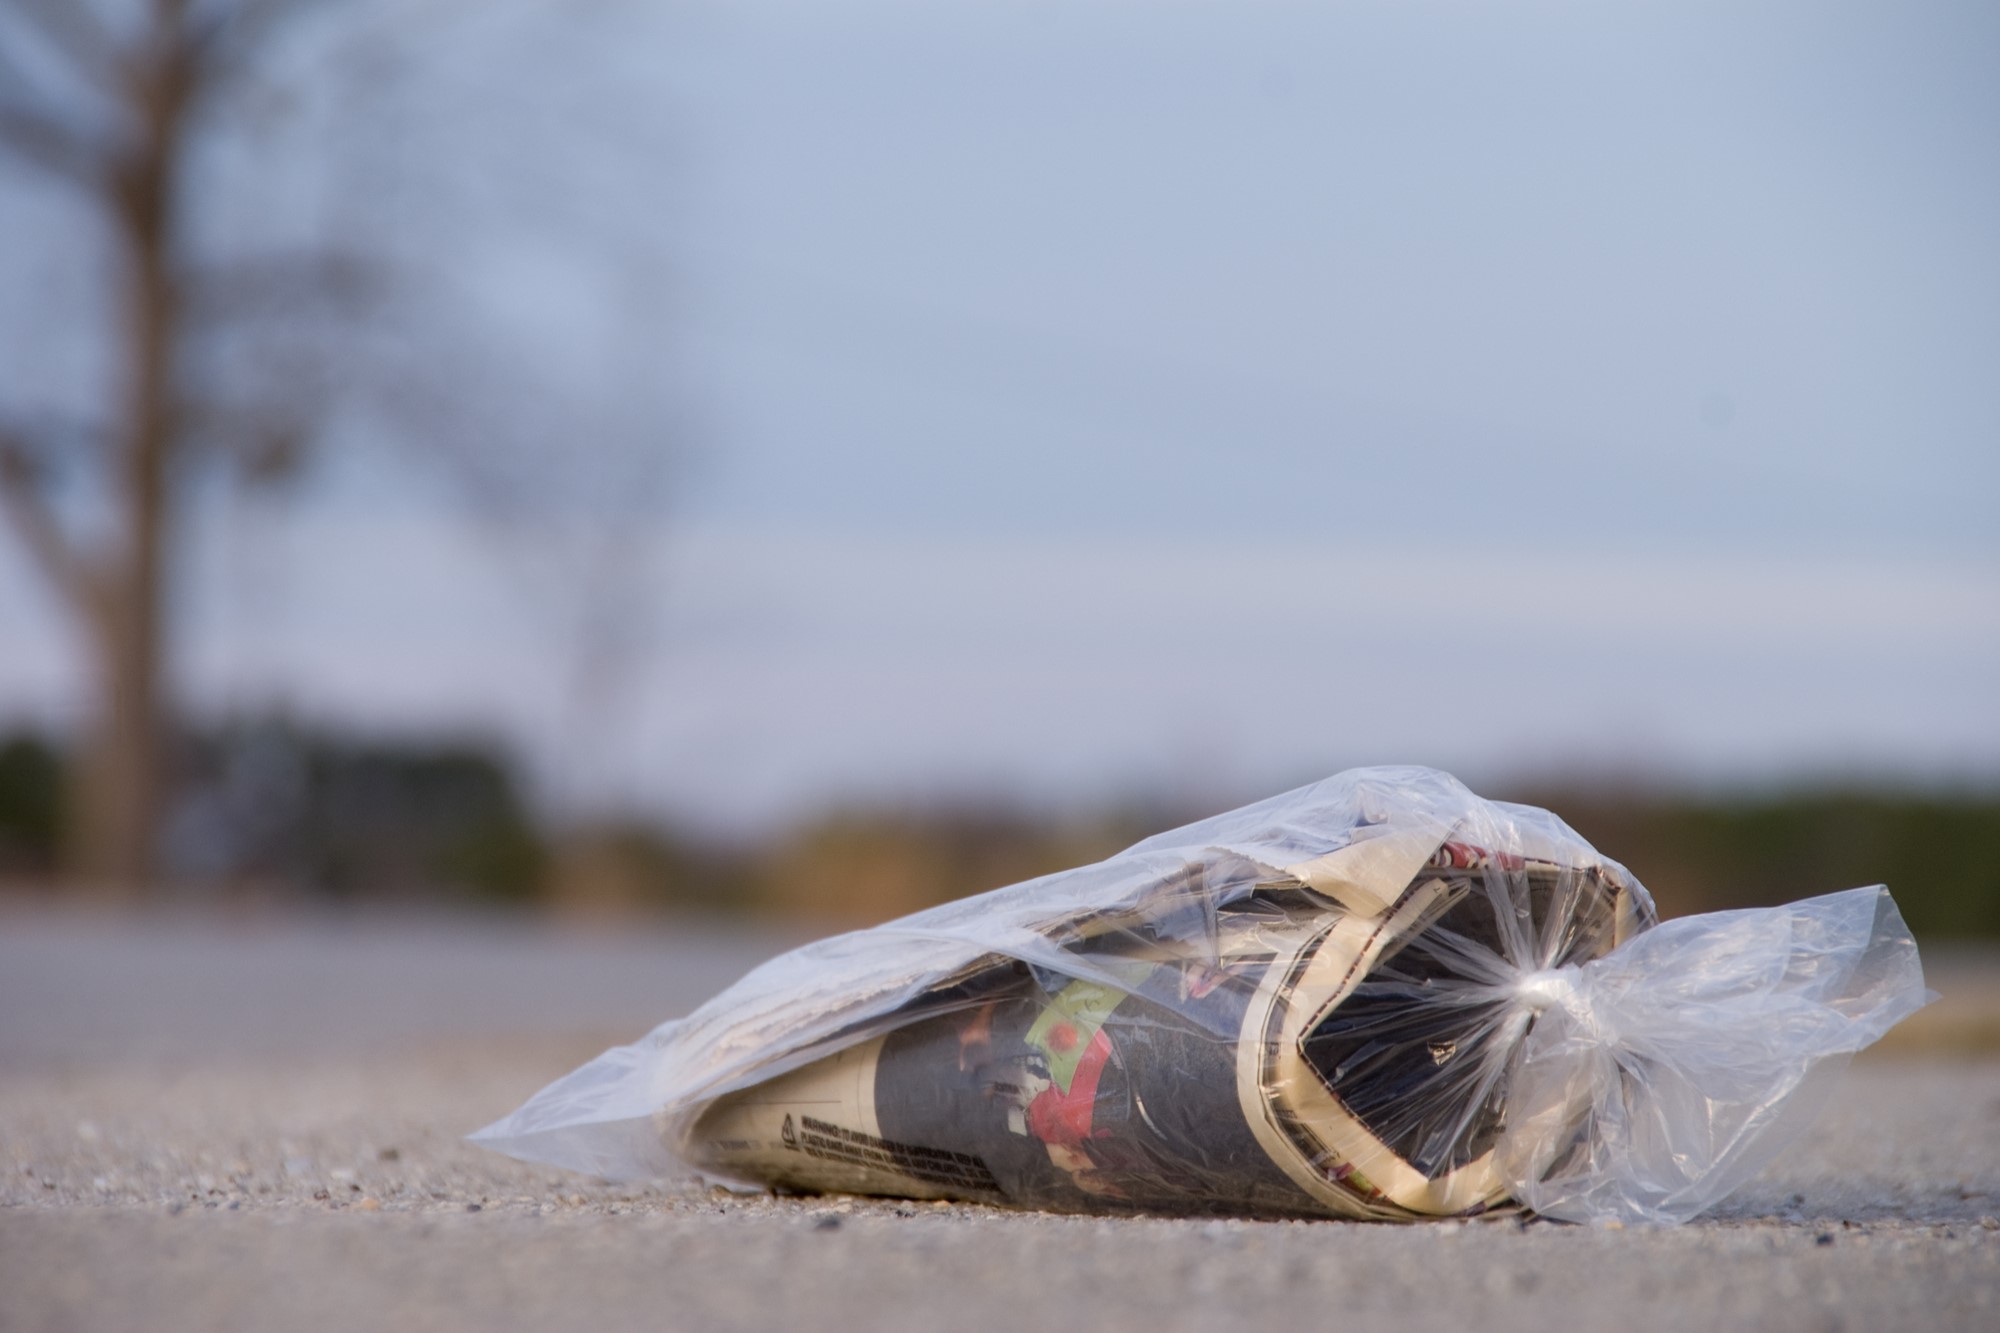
(1291, 1057)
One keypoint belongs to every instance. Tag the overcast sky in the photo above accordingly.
(1195, 399)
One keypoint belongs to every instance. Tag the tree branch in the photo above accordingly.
(321, 281)
(52, 146)
(228, 39)
(74, 28)
(26, 505)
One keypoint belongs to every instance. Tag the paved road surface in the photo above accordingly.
(207, 1125)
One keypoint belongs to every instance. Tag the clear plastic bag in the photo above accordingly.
(1378, 996)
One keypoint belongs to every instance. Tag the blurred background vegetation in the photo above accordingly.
(271, 813)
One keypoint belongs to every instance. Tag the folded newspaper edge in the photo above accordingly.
(1378, 996)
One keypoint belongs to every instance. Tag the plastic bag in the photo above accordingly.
(1378, 996)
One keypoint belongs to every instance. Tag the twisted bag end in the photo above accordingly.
(1659, 1078)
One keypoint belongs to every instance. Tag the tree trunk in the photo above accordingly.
(118, 805)
(118, 796)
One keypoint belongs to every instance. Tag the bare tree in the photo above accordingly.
(226, 356)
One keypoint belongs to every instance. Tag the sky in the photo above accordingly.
(1187, 400)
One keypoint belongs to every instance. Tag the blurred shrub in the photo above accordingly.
(851, 868)
(860, 866)
(268, 803)
(31, 807)
(1940, 855)
(619, 869)
(1937, 852)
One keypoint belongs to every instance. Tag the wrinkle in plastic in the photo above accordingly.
(1378, 996)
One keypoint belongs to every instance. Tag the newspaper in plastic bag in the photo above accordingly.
(1377, 997)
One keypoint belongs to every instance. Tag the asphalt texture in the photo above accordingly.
(210, 1124)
